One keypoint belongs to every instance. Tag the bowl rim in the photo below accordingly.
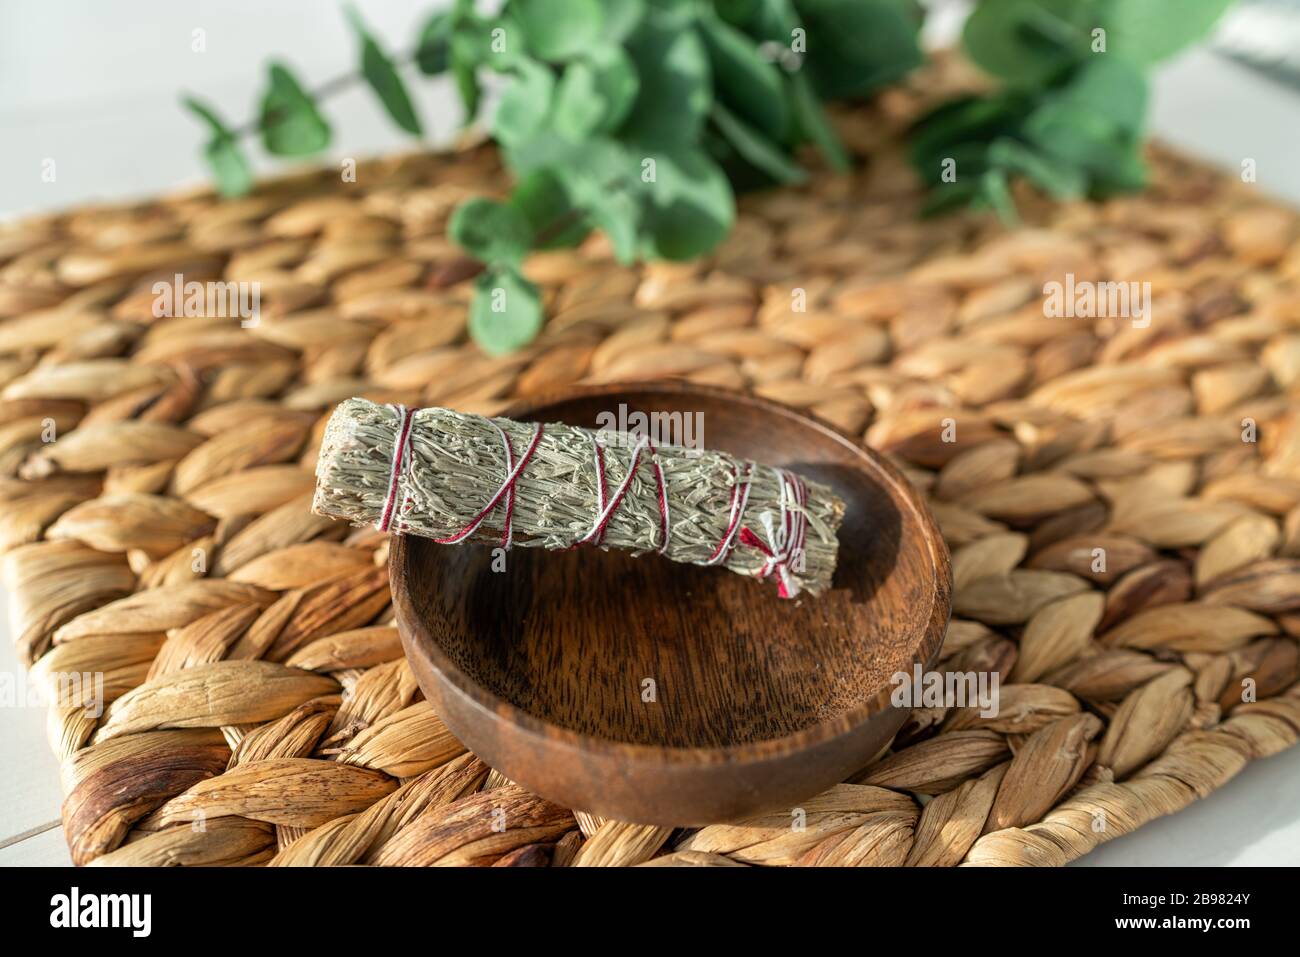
(502, 712)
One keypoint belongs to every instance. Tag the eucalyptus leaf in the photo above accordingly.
(1029, 42)
(490, 231)
(963, 121)
(382, 76)
(594, 167)
(1077, 134)
(772, 20)
(747, 82)
(221, 152)
(621, 18)
(559, 30)
(464, 66)
(1052, 174)
(491, 43)
(291, 124)
(229, 167)
(546, 150)
(579, 108)
(1126, 172)
(506, 312)
(619, 214)
(857, 46)
(756, 149)
(216, 126)
(950, 197)
(691, 207)
(966, 161)
(598, 179)
(433, 49)
(739, 13)
(540, 197)
(1144, 31)
(676, 86)
(1111, 87)
(525, 103)
(816, 126)
(996, 194)
(589, 170)
(595, 93)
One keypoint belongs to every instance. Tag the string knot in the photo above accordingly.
(786, 539)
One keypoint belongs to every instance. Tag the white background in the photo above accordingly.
(94, 86)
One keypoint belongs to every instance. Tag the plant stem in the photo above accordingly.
(330, 87)
(468, 267)
(1055, 28)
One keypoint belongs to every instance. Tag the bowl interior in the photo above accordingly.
(652, 652)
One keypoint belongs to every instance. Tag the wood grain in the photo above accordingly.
(542, 668)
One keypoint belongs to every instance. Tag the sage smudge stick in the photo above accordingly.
(459, 478)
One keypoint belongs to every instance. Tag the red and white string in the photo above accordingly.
(401, 456)
(736, 512)
(785, 537)
(401, 464)
(607, 506)
(507, 491)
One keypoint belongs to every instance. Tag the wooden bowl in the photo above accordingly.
(758, 703)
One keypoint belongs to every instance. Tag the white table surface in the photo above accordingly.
(94, 86)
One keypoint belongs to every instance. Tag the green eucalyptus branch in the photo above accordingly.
(636, 117)
(280, 115)
(642, 118)
(1070, 114)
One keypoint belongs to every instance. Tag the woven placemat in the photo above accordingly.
(1122, 500)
